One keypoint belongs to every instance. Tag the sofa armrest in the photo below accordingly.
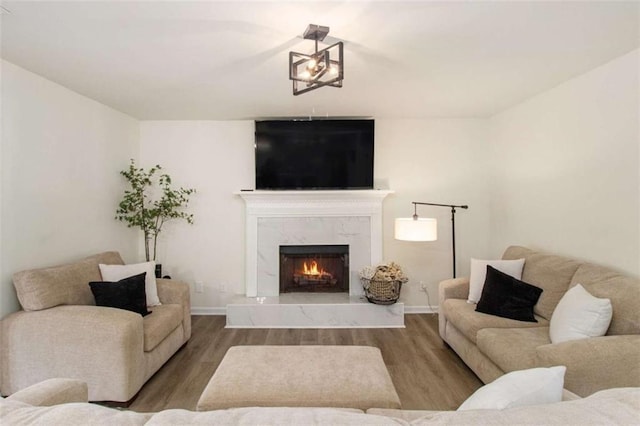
(567, 395)
(596, 363)
(173, 291)
(53, 392)
(99, 345)
(455, 288)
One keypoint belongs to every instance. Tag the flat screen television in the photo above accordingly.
(314, 154)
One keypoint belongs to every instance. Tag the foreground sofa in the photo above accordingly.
(61, 333)
(492, 346)
(63, 401)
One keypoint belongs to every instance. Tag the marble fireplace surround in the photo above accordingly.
(274, 218)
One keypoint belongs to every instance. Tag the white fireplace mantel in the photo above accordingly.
(262, 205)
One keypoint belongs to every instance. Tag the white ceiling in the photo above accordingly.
(229, 60)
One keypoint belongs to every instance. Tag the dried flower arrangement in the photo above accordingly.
(384, 272)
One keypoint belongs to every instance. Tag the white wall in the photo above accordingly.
(566, 169)
(424, 160)
(436, 161)
(215, 158)
(559, 172)
(61, 154)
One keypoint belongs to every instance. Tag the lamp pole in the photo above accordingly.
(453, 223)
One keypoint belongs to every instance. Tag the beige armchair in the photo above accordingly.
(61, 333)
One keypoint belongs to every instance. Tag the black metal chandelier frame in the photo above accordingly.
(323, 67)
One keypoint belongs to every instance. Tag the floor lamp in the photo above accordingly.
(426, 229)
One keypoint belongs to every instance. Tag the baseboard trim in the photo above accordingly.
(209, 311)
(408, 309)
(420, 309)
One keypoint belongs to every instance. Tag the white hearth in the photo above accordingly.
(275, 218)
(312, 310)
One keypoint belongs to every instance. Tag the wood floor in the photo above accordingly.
(426, 373)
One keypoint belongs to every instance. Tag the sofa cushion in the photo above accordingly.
(79, 413)
(611, 407)
(579, 315)
(118, 272)
(512, 348)
(520, 388)
(128, 293)
(53, 392)
(623, 291)
(271, 416)
(508, 297)
(465, 318)
(478, 274)
(61, 285)
(551, 273)
(160, 323)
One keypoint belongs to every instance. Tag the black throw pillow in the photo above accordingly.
(508, 297)
(128, 293)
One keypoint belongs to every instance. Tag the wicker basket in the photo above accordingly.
(381, 292)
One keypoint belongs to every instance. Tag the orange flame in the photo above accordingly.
(313, 270)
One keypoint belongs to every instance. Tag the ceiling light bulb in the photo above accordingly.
(312, 63)
(333, 70)
(305, 74)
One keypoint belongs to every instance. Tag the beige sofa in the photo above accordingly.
(61, 333)
(63, 401)
(492, 346)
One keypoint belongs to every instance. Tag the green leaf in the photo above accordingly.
(138, 209)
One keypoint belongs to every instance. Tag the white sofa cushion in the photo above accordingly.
(518, 389)
(579, 315)
(479, 273)
(118, 272)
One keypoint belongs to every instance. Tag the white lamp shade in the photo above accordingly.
(420, 229)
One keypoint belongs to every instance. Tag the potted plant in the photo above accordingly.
(150, 202)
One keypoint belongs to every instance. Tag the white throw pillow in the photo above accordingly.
(479, 273)
(118, 272)
(579, 315)
(518, 389)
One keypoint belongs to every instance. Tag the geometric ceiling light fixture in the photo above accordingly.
(321, 68)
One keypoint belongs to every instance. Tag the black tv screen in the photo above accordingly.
(314, 154)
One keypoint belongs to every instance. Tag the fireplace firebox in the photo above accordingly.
(314, 268)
